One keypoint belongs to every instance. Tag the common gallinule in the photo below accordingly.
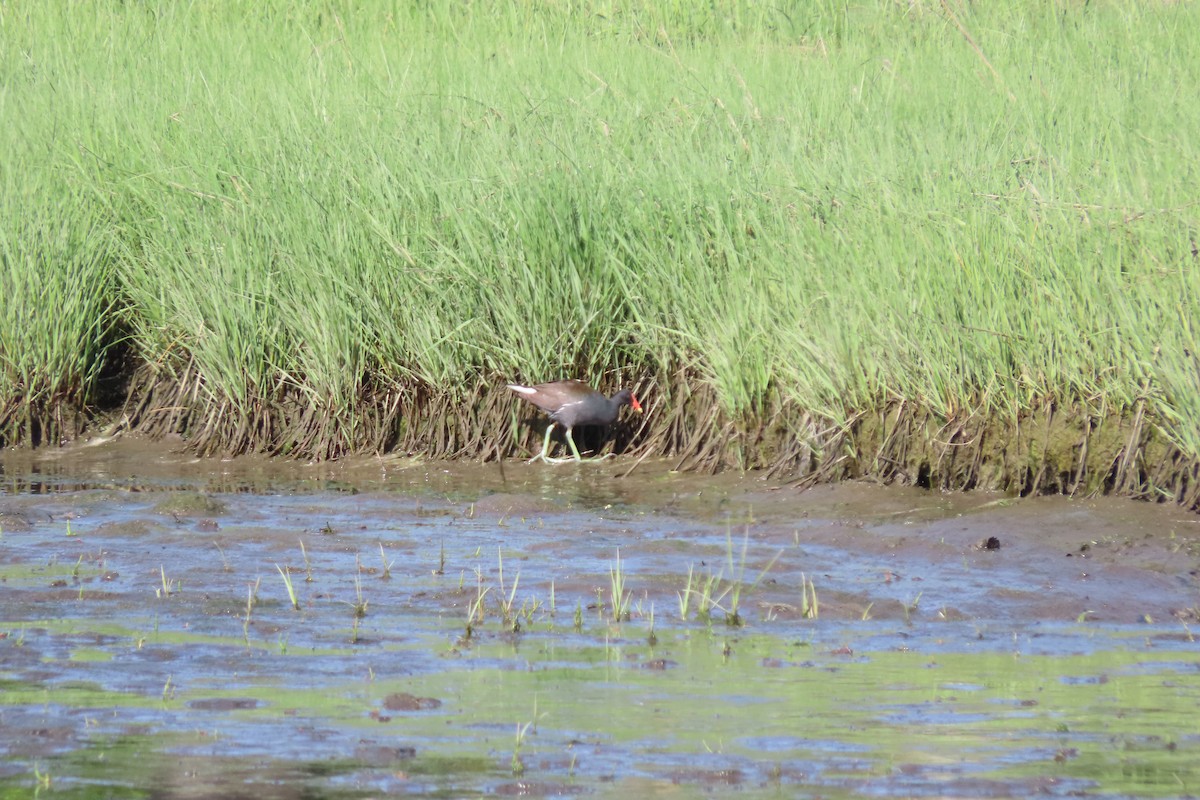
(570, 403)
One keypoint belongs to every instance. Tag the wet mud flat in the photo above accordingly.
(460, 630)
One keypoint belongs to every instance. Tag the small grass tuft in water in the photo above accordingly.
(685, 596)
(481, 591)
(911, 607)
(308, 576)
(251, 600)
(708, 598)
(225, 565)
(475, 611)
(737, 572)
(508, 599)
(359, 605)
(512, 619)
(41, 779)
(619, 596)
(517, 764)
(387, 565)
(809, 607)
(291, 590)
(167, 587)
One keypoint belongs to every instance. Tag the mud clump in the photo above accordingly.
(383, 755)
(224, 704)
(190, 504)
(403, 701)
(131, 527)
(14, 523)
(506, 504)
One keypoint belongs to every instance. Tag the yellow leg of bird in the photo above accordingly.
(565, 459)
(574, 449)
(544, 455)
(545, 447)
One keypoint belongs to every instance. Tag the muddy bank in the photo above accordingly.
(1057, 448)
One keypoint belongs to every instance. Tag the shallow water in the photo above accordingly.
(150, 645)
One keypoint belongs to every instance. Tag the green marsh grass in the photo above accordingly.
(949, 244)
(60, 309)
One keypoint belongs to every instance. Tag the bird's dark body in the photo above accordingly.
(573, 403)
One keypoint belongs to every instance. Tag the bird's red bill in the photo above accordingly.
(634, 404)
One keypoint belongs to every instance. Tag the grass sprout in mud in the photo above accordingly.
(708, 592)
(166, 587)
(618, 595)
